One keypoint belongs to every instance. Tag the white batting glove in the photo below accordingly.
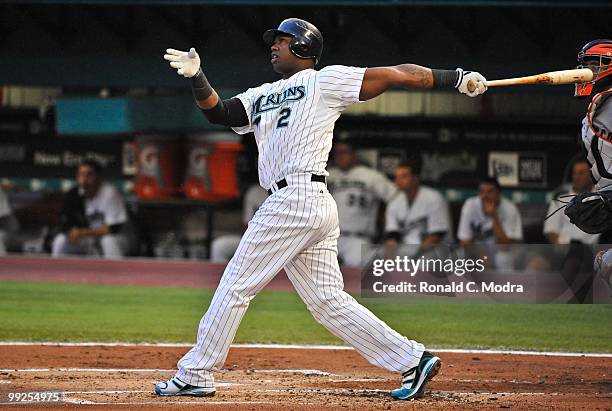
(477, 80)
(186, 63)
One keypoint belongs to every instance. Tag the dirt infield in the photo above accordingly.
(104, 377)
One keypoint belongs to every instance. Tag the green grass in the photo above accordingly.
(67, 312)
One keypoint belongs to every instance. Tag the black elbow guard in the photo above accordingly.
(227, 113)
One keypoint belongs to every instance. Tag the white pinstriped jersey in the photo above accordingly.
(293, 119)
(296, 228)
(597, 139)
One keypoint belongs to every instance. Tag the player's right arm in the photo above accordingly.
(225, 112)
(377, 80)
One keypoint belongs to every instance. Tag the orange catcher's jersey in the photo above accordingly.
(597, 139)
(293, 119)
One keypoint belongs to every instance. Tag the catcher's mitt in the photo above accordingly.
(591, 212)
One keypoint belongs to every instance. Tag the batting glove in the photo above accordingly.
(186, 63)
(477, 79)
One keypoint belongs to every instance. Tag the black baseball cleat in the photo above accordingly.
(174, 386)
(415, 379)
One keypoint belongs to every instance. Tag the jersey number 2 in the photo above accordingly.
(283, 120)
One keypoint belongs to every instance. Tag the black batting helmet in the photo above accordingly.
(307, 41)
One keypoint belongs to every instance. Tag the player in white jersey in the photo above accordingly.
(597, 130)
(296, 228)
(94, 217)
(358, 191)
(488, 222)
(416, 219)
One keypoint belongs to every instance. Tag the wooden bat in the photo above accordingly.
(552, 77)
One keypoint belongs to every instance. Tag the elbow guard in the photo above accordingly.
(227, 113)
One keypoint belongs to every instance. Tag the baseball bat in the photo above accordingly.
(552, 77)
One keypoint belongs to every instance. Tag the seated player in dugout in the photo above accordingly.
(359, 191)
(418, 218)
(296, 228)
(488, 222)
(94, 218)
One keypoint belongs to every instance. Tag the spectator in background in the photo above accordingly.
(557, 228)
(94, 218)
(418, 217)
(7, 220)
(489, 220)
(358, 191)
(224, 247)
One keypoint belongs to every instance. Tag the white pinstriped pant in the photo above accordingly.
(295, 228)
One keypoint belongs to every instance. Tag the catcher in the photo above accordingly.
(592, 212)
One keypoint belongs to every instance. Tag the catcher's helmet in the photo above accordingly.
(597, 56)
(307, 41)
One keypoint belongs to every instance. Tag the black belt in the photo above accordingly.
(283, 183)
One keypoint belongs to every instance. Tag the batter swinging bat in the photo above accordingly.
(553, 77)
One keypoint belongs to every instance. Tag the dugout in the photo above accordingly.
(105, 59)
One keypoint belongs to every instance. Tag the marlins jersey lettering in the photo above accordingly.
(293, 119)
(597, 139)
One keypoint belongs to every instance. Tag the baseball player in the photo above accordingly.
(94, 217)
(296, 228)
(597, 140)
(488, 221)
(418, 218)
(358, 191)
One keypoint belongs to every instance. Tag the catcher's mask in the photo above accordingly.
(597, 56)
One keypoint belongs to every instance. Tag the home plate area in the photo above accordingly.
(122, 377)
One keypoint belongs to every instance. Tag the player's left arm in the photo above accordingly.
(377, 80)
